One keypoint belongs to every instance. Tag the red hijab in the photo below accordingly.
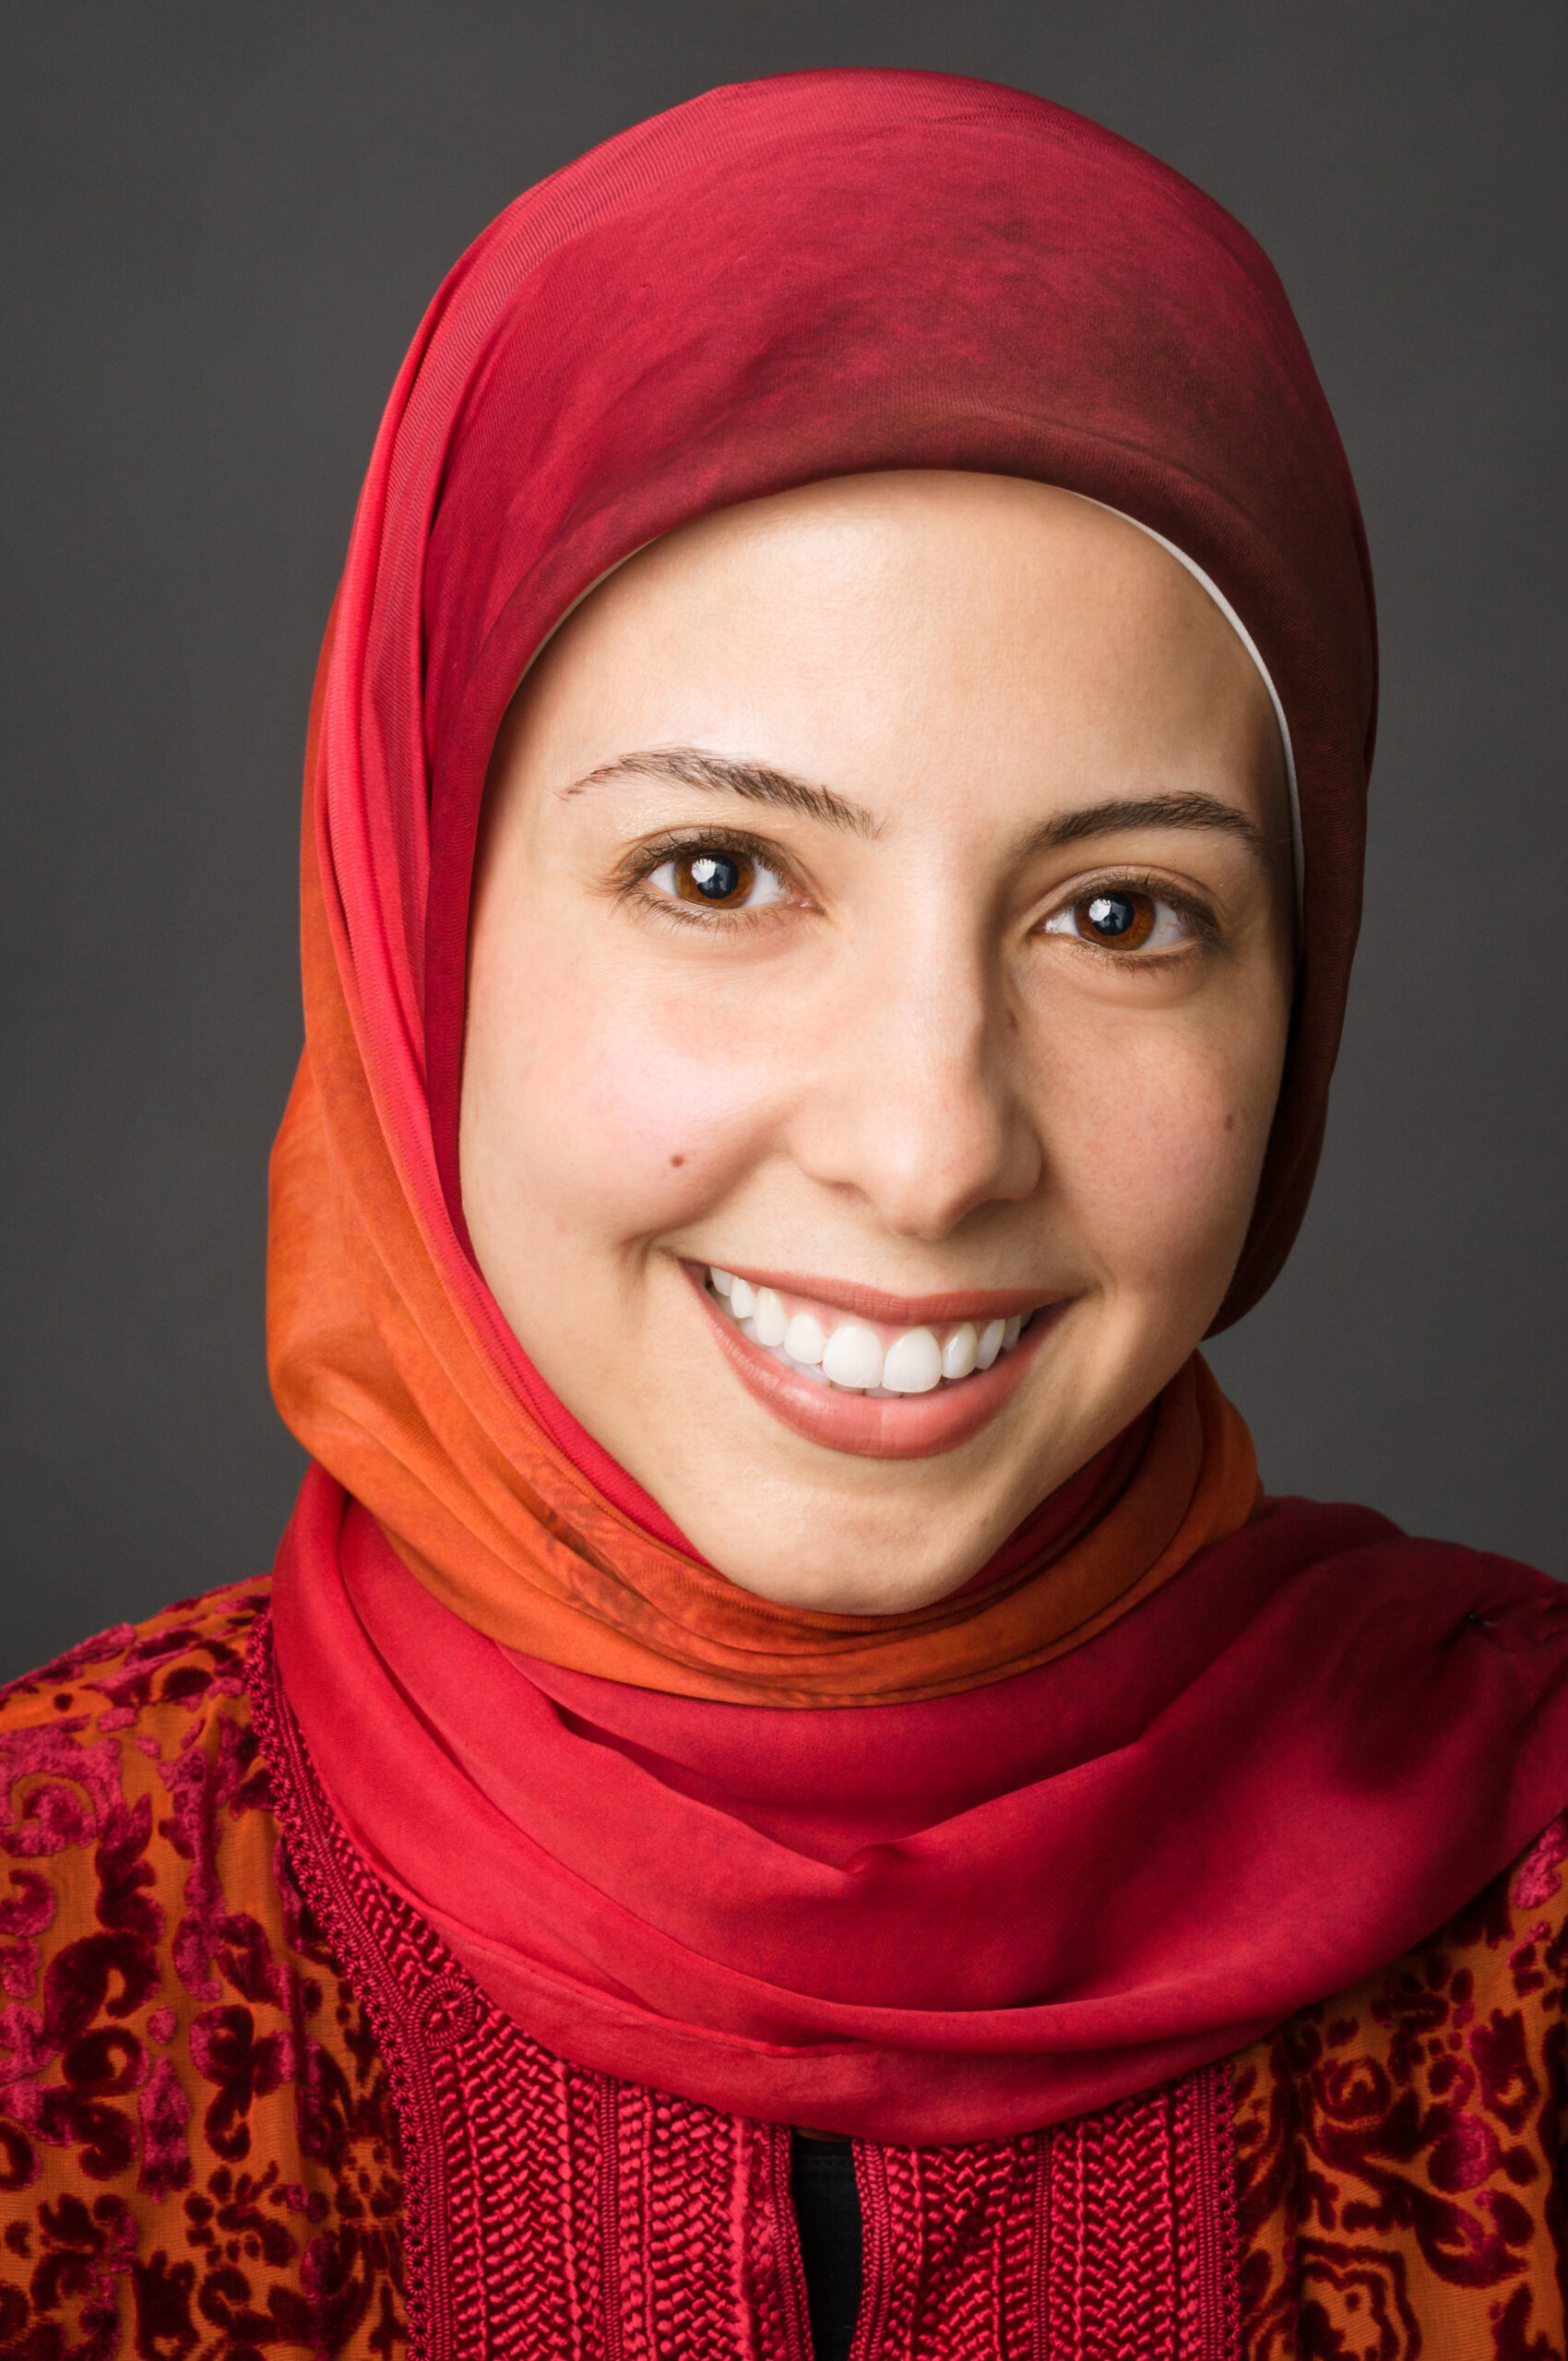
(1167, 1769)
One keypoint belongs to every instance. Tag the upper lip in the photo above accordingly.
(898, 1311)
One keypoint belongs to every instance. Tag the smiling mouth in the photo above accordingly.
(853, 1356)
(846, 1376)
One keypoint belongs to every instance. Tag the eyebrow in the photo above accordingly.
(758, 783)
(1187, 810)
(721, 774)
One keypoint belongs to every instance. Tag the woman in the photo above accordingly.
(788, 1776)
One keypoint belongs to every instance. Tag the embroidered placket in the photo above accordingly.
(557, 2213)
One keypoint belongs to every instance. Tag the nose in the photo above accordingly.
(914, 1103)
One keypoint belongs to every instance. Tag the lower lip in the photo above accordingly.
(917, 1427)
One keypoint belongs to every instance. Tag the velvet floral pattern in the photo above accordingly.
(201, 2160)
(198, 2155)
(1399, 2147)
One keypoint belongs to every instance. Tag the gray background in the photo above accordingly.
(221, 221)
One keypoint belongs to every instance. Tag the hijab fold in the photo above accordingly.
(967, 1917)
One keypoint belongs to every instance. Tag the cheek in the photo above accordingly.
(610, 1107)
(1157, 1138)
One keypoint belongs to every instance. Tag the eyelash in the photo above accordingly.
(632, 883)
(1203, 928)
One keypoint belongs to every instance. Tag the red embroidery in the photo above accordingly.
(209, 2073)
(553, 2210)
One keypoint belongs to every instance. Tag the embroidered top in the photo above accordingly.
(250, 2106)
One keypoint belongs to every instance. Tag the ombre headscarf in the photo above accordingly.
(1126, 1799)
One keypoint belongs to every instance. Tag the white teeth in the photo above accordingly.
(853, 1356)
(770, 1316)
(913, 1362)
(805, 1338)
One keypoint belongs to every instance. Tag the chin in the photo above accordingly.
(837, 1549)
(848, 1591)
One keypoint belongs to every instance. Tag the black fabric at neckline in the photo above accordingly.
(828, 2215)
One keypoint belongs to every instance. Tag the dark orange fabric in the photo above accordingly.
(1399, 2146)
(199, 2147)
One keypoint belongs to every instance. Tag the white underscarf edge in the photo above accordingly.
(1298, 859)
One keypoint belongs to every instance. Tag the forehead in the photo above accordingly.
(982, 635)
(947, 557)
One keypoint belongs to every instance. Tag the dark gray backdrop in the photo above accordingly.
(222, 219)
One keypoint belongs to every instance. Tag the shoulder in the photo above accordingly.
(1398, 2145)
(103, 1754)
(1323, 1573)
(171, 1660)
(189, 2096)
(1306, 1536)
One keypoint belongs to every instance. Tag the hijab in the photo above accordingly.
(1167, 1768)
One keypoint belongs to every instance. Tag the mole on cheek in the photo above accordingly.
(677, 1159)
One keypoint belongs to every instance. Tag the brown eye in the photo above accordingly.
(722, 880)
(725, 879)
(1127, 918)
(1119, 917)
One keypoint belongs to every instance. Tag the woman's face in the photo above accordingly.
(881, 933)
